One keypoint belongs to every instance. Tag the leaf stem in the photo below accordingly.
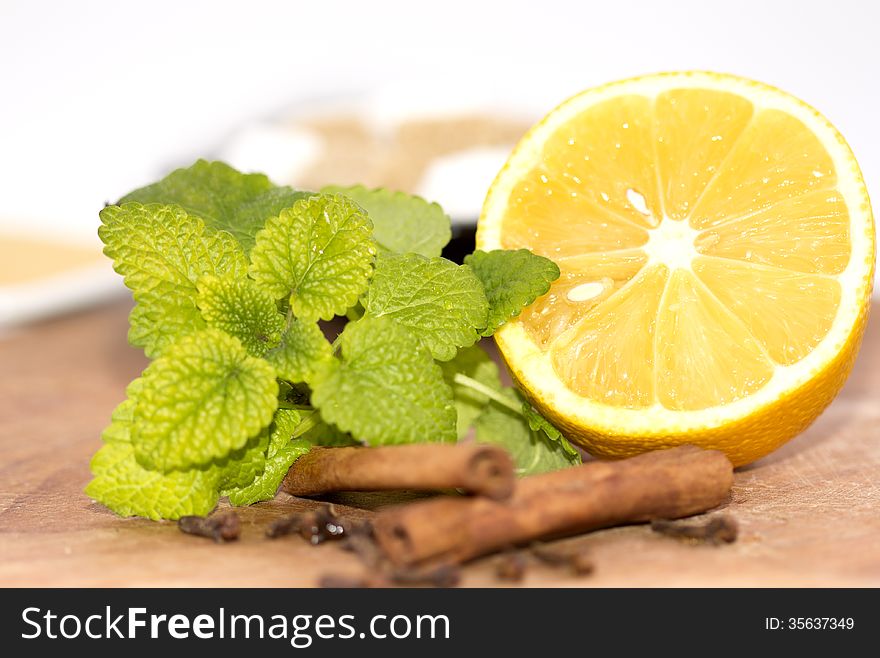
(490, 393)
(308, 423)
(296, 407)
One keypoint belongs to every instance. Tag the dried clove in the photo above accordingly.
(222, 527)
(342, 581)
(549, 556)
(577, 561)
(721, 529)
(321, 525)
(582, 564)
(511, 567)
(284, 526)
(360, 542)
(316, 527)
(442, 575)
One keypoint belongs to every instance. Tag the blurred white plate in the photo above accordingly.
(40, 277)
(386, 141)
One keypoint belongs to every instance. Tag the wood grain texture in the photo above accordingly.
(809, 514)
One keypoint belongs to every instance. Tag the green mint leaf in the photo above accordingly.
(156, 323)
(265, 486)
(122, 418)
(537, 423)
(202, 399)
(325, 434)
(319, 253)
(355, 313)
(512, 280)
(224, 198)
(238, 469)
(210, 190)
(251, 215)
(532, 450)
(320, 433)
(402, 222)
(241, 309)
(441, 303)
(386, 389)
(476, 364)
(129, 489)
(282, 452)
(283, 426)
(241, 467)
(303, 351)
(161, 252)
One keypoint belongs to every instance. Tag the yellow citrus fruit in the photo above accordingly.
(716, 246)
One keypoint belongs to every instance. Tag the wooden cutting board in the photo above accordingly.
(809, 514)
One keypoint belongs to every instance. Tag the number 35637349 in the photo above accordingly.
(809, 623)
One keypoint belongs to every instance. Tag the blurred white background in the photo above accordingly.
(99, 97)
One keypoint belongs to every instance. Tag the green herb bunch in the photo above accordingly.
(231, 276)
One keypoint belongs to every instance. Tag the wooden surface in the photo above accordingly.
(809, 514)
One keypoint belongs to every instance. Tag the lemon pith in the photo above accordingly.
(717, 250)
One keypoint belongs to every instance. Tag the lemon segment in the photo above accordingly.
(584, 282)
(603, 357)
(787, 312)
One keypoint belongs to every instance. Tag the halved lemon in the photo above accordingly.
(717, 253)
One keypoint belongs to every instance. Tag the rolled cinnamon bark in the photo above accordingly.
(664, 484)
(476, 469)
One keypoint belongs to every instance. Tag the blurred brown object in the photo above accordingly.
(353, 153)
(31, 259)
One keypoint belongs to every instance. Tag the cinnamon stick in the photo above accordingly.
(665, 484)
(476, 469)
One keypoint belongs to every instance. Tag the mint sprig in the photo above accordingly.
(231, 275)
